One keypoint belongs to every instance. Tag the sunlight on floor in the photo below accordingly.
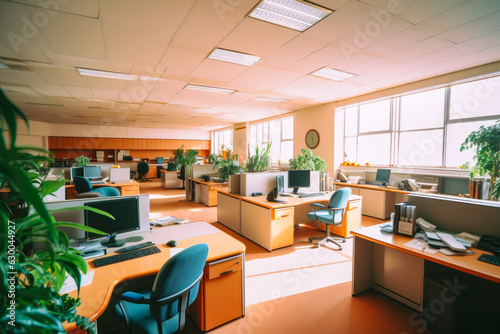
(151, 197)
(196, 210)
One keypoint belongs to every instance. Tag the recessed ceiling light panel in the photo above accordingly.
(271, 99)
(234, 57)
(107, 75)
(210, 89)
(293, 14)
(330, 73)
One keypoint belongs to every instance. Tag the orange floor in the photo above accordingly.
(319, 302)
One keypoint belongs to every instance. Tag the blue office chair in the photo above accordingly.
(84, 189)
(143, 170)
(163, 309)
(333, 214)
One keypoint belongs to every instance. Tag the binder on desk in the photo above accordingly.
(397, 215)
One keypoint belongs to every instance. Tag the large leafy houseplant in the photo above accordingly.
(30, 281)
(486, 145)
(186, 159)
(227, 166)
(307, 161)
(260, 161)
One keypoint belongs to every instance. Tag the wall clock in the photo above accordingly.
(312, 138)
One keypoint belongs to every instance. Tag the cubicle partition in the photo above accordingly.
(264, 182)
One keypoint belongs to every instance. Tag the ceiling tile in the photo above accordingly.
(88, 8)
(79, 92)
(57, 74)
(473, 29)
(50, 89)
(482, 42)
(214, 70)
(197, 98)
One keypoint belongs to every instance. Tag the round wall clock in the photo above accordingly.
(312, 138)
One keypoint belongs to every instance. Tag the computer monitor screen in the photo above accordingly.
(76, 171)
(125, 211)
(92, 172)
(280, 184)
(159, 160)
(299, 179)
(383, 176)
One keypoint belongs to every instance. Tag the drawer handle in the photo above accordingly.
(226, 272)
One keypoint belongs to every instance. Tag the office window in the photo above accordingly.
(279, 132)
(475, 99)
(424, 129)
(219, 138)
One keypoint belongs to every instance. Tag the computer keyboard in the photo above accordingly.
(96, 182)
(311, 195)
(493, 259)
(134, 247)
(104, 261)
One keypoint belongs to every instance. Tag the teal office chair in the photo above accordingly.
(333, 214)
(163, 309)
(84, 188)
(143, 170)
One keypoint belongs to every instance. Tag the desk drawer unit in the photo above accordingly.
(269, 228)
(220, 299)
(129, 190)
(228, 212)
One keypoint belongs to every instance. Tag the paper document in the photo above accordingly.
(421, 246)
(70, 284)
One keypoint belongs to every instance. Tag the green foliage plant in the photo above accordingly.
(30, 281)
(228, 166)
(82, 161)
(307, 161)
(260, 161)
(486, 144)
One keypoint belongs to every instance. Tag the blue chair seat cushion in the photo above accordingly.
(140, 318)
(326, 216)
(107, 191)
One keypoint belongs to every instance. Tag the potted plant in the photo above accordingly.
(186, 159)
(82, 161)
(308, 161)
(30, 281)
(260, 161)
(227, 166)
(486, 145)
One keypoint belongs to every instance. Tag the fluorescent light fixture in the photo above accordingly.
(148, 78)
(330, 73)
(234, 57)
(107, 75)
(4, 66)
(209, 89)
(294, 14)
(271, 99)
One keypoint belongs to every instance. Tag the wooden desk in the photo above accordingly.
(378, 201)
(382, 261)
(221, 298)
(131, 188)
(170, 180)
(209, 191)
(271, 224)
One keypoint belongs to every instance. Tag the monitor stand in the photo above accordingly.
(113, 242)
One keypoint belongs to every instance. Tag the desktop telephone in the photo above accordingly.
(410, 185)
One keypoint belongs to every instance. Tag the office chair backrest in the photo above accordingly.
(142, 168)
(82, 184)
(180, 271)
(340, 198)
(182, 172)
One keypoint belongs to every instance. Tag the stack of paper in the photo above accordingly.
(167, 220)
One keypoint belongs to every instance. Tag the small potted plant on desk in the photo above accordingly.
(186, 159)
(82, 161)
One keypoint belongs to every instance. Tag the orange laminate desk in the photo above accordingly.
(209, 191)
(125, 188)
(382, 261)
(221, 296)
(271, 224)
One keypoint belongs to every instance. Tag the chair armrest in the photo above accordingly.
(134, 297)
(318, 205)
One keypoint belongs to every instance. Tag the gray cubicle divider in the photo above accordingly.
(479, 217)
(264, 182)
(77, 216)
(207, 169)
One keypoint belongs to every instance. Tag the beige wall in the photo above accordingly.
(321, 118)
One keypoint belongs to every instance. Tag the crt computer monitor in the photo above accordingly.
(92, 172)
(299, 179)
(383, 176)
(125, 211)
(76, 171)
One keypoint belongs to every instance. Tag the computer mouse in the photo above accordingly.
(172, 243)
